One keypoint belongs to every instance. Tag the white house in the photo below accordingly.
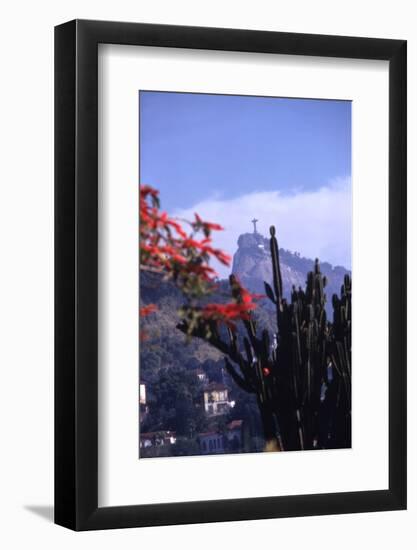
(216, 399)
(142, 394)
(201, 375)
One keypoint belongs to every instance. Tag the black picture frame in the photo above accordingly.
(76, 272)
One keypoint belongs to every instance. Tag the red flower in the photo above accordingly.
(167, 248)
(208, 225)
(225, 259)
(147, 310)
(148, 190)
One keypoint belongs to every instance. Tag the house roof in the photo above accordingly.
(235, 424)
(215, 386)
(209, 434)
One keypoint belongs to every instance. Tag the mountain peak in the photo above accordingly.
(253, 266)
(252, 240)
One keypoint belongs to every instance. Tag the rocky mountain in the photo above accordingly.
(252, 264)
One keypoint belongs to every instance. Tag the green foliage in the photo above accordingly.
(185, 447)
(175, 403)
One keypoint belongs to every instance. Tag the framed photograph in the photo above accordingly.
(230, 254)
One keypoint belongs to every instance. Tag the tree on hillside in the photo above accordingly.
(175, 403)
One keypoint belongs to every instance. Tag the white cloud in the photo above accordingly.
(315, 223)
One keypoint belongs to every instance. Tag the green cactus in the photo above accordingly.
(303, 383)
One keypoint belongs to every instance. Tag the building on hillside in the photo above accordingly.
(201, 375)
(142, 394)
(143, 407)
(217, 442)
(216, 399)
(157, 439)
(211, 443)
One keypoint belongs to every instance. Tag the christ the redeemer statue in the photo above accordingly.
(254, 224)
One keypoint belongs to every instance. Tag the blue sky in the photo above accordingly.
(222, 154)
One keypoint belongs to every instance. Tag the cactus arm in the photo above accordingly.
(240, 381)
(276, 269)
